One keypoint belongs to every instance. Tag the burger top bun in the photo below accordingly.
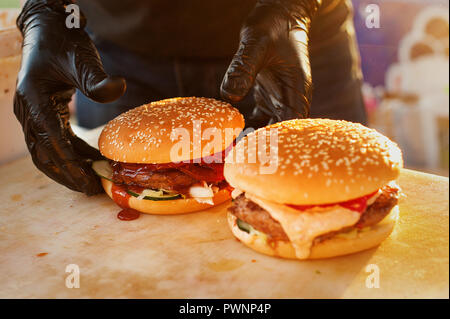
(319, 161)
(163, 131)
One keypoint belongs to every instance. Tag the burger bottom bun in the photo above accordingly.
(169, 207)
(333, 247)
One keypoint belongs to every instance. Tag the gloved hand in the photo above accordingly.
(273, 57)
(55, 60)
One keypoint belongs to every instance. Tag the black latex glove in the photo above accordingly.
(55, 60)
(273, 57)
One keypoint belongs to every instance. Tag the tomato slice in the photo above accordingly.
(358, 205)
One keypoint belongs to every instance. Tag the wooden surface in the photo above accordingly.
(44, 227)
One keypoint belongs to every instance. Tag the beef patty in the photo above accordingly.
(261, 220)
(177, 177)
(169, 179)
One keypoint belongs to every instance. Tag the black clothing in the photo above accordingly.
(203, 33)
(169, 28)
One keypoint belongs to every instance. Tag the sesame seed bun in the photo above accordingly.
(319, 161)
(169, 207)
(332, 247)
(144, 134)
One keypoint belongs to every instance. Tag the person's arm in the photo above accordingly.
(55, 60)
(273, 58)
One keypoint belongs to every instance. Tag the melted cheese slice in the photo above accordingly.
(302, 227)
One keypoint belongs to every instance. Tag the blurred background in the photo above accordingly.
(405, 62)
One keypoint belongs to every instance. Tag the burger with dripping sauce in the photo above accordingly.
(334, 191)
(167, 157)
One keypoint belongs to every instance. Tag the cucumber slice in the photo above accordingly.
(103, 169)
(244, 226)
(250, 230)
(150, 194)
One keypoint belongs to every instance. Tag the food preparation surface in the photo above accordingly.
(44, 227)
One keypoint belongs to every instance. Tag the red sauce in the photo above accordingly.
(358, 205)
(121, 197)
(208, 169)
(207, 172)
(128, 214)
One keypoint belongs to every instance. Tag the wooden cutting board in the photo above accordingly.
(44, 227)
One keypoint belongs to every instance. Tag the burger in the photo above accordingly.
(333, 191)
(166, 157)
